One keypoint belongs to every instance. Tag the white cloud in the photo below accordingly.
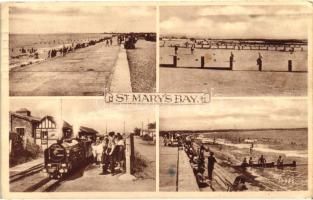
(227, 114)
(255, 10)
(230, 10)
(274, 22)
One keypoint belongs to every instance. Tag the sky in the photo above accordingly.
(236, 114)
(90, 113)
(216, 21)
(75, 18)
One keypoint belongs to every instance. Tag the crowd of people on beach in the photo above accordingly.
(33, 52)
(72, 47)
(109, 153)
(208, 44)
(60, 51)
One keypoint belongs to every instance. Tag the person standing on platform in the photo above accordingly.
(105, 156)
(93, 148)
(99, 152)
(120, 152)
(112, 152)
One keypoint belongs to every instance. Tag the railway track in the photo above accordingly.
(29, 172)
(45, 185)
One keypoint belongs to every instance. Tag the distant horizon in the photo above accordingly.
(231, 129)
(78, 33)
(179, 36)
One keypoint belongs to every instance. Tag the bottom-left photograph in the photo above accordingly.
(70, 145)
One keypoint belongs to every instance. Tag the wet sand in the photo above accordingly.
(243, 80)
(233, 83)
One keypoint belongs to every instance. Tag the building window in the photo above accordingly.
(20, 131)
(44, 135)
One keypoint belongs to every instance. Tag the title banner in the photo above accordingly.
(158, 98)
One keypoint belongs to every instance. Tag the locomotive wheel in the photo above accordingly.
(53, 176)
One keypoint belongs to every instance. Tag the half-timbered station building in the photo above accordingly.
(48, 132)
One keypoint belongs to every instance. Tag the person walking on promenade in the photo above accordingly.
(259, 61)
(201, 152)
(176, 49)
(231, 60)
(192, 48)
(211, 162)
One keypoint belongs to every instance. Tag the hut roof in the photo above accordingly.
(23, 110)
(67, 125)
(49, 118)
(25, 117)
(87, 130)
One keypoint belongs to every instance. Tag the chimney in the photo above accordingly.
(24, 111)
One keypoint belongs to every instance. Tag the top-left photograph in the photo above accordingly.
(79, 50)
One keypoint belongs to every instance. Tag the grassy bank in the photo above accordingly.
(142, 167)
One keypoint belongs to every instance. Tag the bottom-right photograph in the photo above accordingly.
(234, 145)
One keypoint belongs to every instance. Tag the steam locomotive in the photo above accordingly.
(63, 157)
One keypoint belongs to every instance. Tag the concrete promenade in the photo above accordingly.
(121, 74)
(186, 178)
(176, 174)
(84, 72)
(168, 169)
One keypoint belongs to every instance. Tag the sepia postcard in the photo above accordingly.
(157, 99)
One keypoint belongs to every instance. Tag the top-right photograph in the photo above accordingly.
(234, 50)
